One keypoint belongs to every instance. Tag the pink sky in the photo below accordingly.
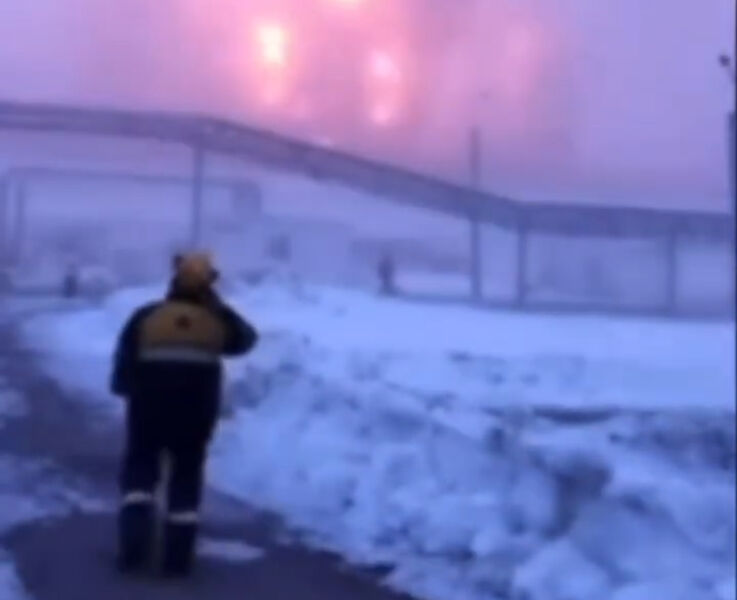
(597, 98)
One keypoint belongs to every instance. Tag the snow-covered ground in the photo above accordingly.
(480, 454)
(10, 586)
(29, 490)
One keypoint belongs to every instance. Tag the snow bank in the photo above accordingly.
(518, 512)
(35, 489)
(31, 490)
(11, 587)
(12, 404)
(480, 454)
(228, 551)
(472, 357)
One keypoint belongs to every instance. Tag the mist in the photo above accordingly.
(345, 345)
(610, 99)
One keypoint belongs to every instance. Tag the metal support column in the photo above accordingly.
(522, 265)
(671, 272)
(20, 221)
(732, 174)
(198, 172)
(475, 252)
(476, 278)
(732, 158)
(4, 230)
(726, 61)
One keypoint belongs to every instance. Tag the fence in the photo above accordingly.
(517, 255)
(17, 187)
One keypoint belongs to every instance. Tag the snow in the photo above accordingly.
(31, 490)
(551, 570)
(663, 589)
(442, 284)
(229, 551)
(481, 454)
(11, 588)
(12, 404)
(727, 590)
(455, 351)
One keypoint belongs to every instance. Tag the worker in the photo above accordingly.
(168, 367)
(386, 269)
(70, 283)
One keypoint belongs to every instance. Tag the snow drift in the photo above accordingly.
(471, 454)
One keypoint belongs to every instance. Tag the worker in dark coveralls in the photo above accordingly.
(168, 367)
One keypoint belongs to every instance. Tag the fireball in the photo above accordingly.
(273, 43)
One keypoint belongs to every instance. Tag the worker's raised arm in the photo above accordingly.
(240, 335)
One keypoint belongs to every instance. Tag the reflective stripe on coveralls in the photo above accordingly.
(193, 355)
(183, 518)
(138, 497)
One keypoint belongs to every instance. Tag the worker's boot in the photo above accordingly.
(179, 548)
(135, 536)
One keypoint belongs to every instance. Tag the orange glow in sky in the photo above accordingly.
(555, 86)
(384, 67)
(382, 114)
(348, 3)
(370, 80)
(385, 88)
(522, 54)
(273, 41)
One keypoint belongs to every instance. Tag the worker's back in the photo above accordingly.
(168, 366)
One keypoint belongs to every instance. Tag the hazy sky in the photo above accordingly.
(610, 96)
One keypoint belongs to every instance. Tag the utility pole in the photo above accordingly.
(732, 157)
(474, 159)
(198, 171)
(4, 225)
(726, 63)
(19, 238)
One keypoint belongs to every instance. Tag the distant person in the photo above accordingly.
(387, 275)
(168, 367)
(70, 284)
(280, 248)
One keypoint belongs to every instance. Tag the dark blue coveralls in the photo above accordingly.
(168, 367)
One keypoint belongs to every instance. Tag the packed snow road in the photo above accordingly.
(58, 465)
